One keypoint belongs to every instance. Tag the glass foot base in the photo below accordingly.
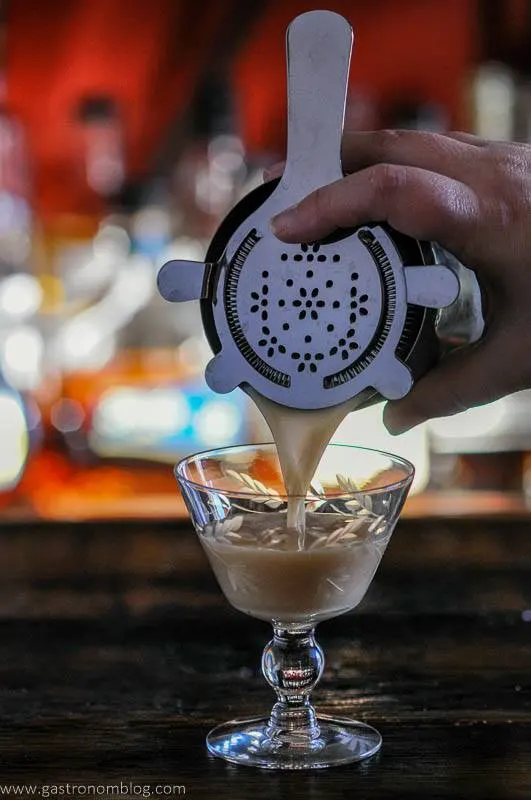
(340, 741)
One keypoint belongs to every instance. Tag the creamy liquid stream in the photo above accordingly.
(301, 437)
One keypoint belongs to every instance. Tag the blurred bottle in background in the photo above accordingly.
(493, 101)
(409, 113)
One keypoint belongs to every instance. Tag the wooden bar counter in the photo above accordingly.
(118, 653)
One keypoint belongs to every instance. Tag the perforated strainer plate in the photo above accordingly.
(310, 325)
(301, 315)
(317, 314)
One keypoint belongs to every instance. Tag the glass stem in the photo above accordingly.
(292, 663)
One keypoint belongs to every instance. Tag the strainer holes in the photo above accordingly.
(281, 349)
(313, 368)
(254, 309)
(353, 292)
(289, 282)
(274, 340)
(344, 355)
(364, 298)
(284, 257)
(330, 328)
(353, 345)
(304, 247)
(336, 258)
(353, 304)
(310, 257)
(295, 356)
(315, 292)
(282, 303)
(319, 356)
(353, 319)
(316, 247)
(301, 367)
(265, 289)
(309, 274)
(329, 284)
(320, 304)
(308, 304)
(265, 274)
(302, 314)
(265, 330)
(297, 257)
(255, 296)
(314, 315)
(363, 312)
(303, 292)
(262, 343)
(321, 257)
(271, 352)
(297, 303)
(264, 316)
(336, 304)
(264, 302)
(354, 276)
(342, 342)
(285, 326)
(307, 339)
(307, 356)
(332, 351)
(350, 333)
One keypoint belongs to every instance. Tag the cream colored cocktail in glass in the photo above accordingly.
(294, 578)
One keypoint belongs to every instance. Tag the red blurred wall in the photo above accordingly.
(424, 48)
(148, 54)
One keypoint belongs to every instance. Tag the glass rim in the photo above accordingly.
(216, 451)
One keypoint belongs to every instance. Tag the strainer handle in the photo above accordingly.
(319, 45)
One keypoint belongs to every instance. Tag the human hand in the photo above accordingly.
(471, 196)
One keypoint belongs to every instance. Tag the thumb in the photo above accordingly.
(471, 376)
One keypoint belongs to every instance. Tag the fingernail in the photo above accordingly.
(396, 422)
(281, 223)
(395, 429)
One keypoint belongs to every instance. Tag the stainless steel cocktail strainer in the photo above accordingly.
(314, 325)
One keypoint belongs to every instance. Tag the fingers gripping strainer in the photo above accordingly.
(314, 325)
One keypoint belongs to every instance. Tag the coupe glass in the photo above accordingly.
(294, 579)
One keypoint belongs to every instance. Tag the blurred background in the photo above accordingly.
(127, 131)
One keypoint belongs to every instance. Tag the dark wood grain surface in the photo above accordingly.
(118, 653)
